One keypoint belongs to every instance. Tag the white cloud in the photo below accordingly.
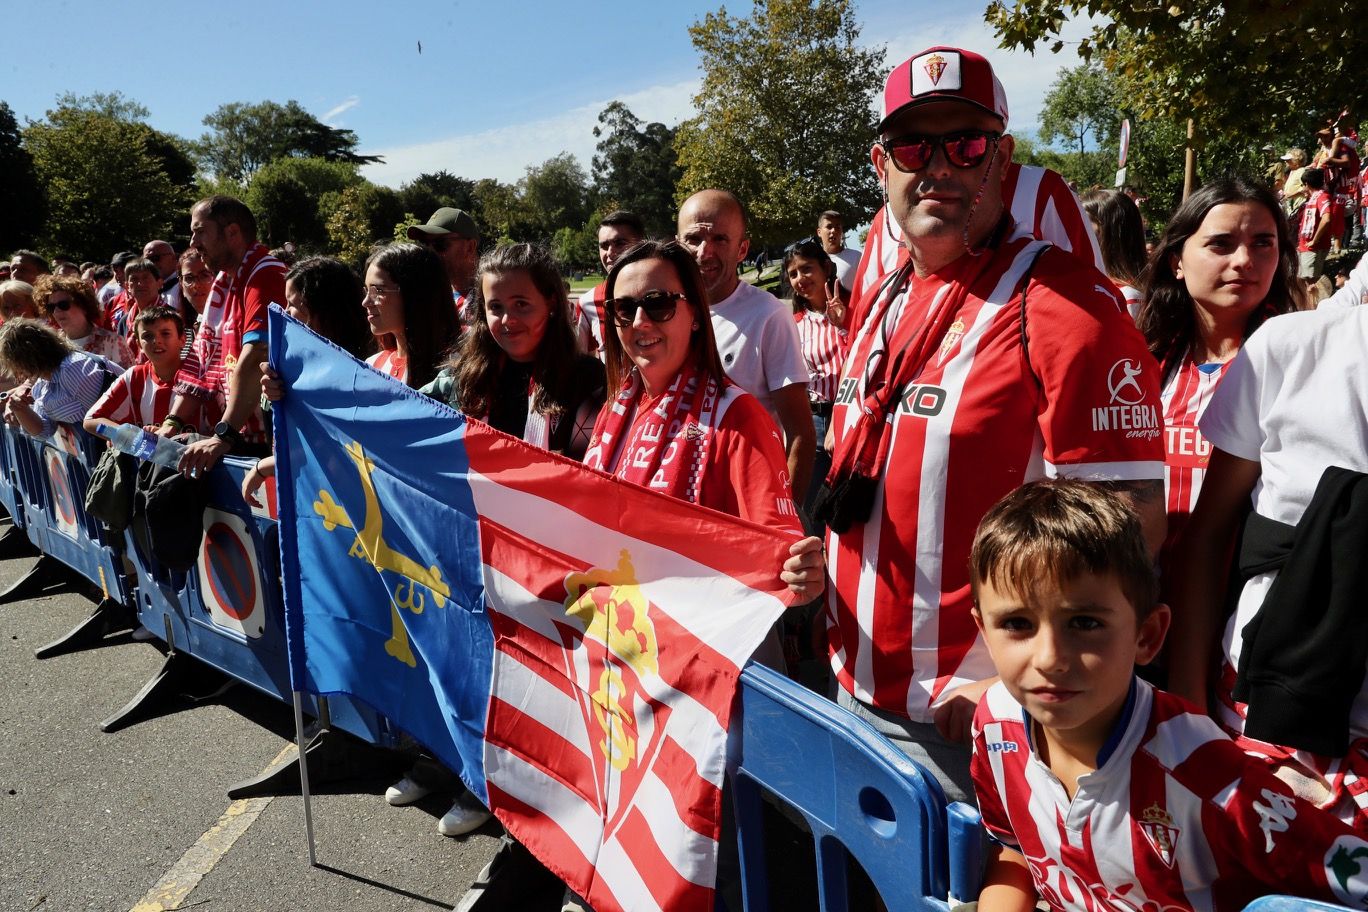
(340, 109)
(505, 152)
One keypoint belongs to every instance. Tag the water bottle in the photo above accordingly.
(149, 447)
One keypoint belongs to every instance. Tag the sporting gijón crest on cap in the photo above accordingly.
(1157, 825)
(938, 71)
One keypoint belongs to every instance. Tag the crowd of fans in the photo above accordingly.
(1125, 419)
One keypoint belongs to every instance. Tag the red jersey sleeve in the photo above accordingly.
(1262, 831)
(991, 807)
(747, 472)
(117, 402)
(1101, 416)
(265, 288)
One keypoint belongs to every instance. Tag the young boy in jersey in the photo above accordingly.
(142, 394)
(1098, 790)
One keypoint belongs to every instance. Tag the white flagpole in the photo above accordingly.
(304, 777)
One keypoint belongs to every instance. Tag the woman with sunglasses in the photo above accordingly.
(70, 305)
(518, 367)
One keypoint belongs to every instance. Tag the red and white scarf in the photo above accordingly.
(662, 444)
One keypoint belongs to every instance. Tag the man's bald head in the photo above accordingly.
(712, 225)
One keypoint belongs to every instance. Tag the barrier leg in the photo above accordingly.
(110, 616)
(14, 542)
(332, 756)
(180, 673)
(46, 574)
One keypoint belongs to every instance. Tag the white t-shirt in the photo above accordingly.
(847, 262)
(758, 342)
(1295, 399)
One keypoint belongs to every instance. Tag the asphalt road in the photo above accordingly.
(139, 819)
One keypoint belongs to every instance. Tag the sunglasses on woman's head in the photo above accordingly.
(660, 307)
(965, 149)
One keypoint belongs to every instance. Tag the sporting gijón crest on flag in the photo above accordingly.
(568, 642)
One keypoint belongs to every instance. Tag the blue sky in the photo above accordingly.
(498, 85)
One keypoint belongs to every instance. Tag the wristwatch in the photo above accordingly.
(225, 431)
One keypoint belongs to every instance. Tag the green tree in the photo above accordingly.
(636, 167)
(107, 189)
(1236, 67)
(115, 105)
(21, 195)
(1081, 111)
(498, 211)
(243, 138)
(289, 198)
(359, 216)
(427, 193)
(786, 114)
(551, 196)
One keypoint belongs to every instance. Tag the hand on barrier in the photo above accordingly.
(955, 716)
(264, 469)
(805, 570)
(272, 387)
(201, 456)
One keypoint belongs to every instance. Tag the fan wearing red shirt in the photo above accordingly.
(142, 394)
(1099, 791)
(1317, 228)
(990, 360)
(223, 372)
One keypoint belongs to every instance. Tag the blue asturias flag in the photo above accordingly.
(568, 642)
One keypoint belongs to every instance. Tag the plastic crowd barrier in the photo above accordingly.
(225, 613)
(860, 797)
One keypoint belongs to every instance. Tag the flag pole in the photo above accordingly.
(304, 777)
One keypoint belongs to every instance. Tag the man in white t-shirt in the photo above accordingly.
(831, 232)
(755, 332)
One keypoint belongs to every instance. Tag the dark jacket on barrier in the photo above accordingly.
(168, 515)
(1302, 662)
(109, 497)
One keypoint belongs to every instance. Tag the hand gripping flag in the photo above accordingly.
(568, 642)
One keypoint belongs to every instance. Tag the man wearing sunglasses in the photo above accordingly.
(455, 238)
(956, 391)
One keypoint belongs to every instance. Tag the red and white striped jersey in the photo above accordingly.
(824, 348)
(588, 319)
(1040, 201)
(389, 361)
(975, 425)
(138, 397)
(1176, 816)
(1185, 395)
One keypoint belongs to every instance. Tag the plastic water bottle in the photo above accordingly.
(149, 447)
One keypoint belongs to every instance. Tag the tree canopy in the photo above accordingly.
(21, 195)
(636, 168)
(244, 137)
(785, 115)
(1237, 67)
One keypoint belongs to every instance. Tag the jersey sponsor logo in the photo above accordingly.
(924, 400)
(1125, 409)
(1157, 825)
(1187, 447)
(1274, 815)
(1003, 747)
(1346, 869)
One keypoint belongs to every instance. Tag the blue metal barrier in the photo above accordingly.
(1292, 904)
(860, 796)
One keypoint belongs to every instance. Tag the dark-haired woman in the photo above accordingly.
(1224, 265)
(518, 367)
(1121, 236)
(819, 308)
(408, 307)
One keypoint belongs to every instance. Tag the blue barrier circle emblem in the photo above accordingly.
(63, 501)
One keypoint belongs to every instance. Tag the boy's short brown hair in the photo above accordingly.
(153, 314)
(1055, 531)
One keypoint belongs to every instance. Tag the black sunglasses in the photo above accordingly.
(965, 149)
(63, 304)
(660, 307)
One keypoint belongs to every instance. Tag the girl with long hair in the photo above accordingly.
(408, 306)
(1121, 236)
